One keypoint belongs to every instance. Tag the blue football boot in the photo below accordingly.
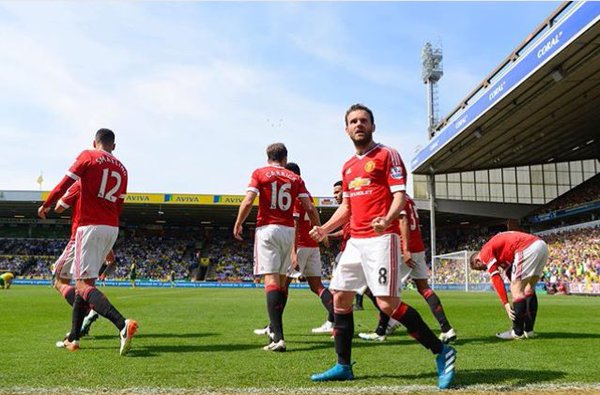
(445, 366)
(338, 372)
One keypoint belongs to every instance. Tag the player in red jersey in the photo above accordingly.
(413, 254)
(374, 183)
(277, 189)
(62, 266)
(306, 262)
(103, 181)
(524, 256)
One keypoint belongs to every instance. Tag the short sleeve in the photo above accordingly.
(254, 184)
(78, 169)
(71, 196)
(396, 171)
(486, 255)
(302, 191)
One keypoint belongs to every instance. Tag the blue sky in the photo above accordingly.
(195, 91)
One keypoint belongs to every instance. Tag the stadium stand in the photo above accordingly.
(574, 263)
(586, 192)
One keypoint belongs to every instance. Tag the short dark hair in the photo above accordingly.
(277, 152)
(473, 259)
(356, 107)
(337, 183)
(105, 137)
(293, 167)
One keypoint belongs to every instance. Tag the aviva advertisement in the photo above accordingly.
(144, 198)
(178, 198)
(193, 199)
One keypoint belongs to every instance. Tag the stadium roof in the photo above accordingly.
(539, 106)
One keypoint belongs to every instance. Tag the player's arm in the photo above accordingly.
(337, 234)
(313, 215)
(122, 196)
(58, 191)
(404, 235)
(243, 212)
(500, 289)
(339, 218)
(311, 210)
(60, 207)
(396, 179)
(73, 174)
(109, 261)
(380, 224)
(294, 253)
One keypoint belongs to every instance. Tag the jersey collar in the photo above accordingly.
(377, 145)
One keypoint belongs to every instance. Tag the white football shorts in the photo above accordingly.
(309, 262)
(272, 249)
(420, 271)
(62, 266)
(530, 262)
(375, 262)
(92, 244)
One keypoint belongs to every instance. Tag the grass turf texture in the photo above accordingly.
(202, 339)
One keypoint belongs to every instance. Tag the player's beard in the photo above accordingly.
(363, 142)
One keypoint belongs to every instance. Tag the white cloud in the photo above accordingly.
(195, 92)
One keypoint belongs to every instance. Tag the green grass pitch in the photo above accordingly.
(201, 339)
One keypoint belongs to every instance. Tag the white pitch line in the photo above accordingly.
(587, 388)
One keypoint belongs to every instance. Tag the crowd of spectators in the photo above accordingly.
(586, 192)
(574, 262)
(232, 260)
(154, 257)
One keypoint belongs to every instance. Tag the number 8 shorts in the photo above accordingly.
(375, 262)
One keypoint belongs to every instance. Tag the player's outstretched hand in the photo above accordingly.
(379, 224)
(317, 233)
(42, 211)
(237, 231)
(509, 311)
(325, 241)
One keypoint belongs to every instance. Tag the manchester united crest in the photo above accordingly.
(369, 166)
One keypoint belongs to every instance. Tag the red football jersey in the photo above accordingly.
(369, 181)
(500, 250)
(415, 241)
(277, 190)
(303, 238)
(103, 187)
(69, 199)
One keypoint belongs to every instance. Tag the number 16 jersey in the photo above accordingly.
(277, 189)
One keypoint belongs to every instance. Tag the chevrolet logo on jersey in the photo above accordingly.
(359, 182)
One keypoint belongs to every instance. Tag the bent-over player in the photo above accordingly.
(524, 256)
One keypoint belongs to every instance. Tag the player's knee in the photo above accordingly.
(388, 304)
(424, 290)
(343, 300)
(315, 285)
